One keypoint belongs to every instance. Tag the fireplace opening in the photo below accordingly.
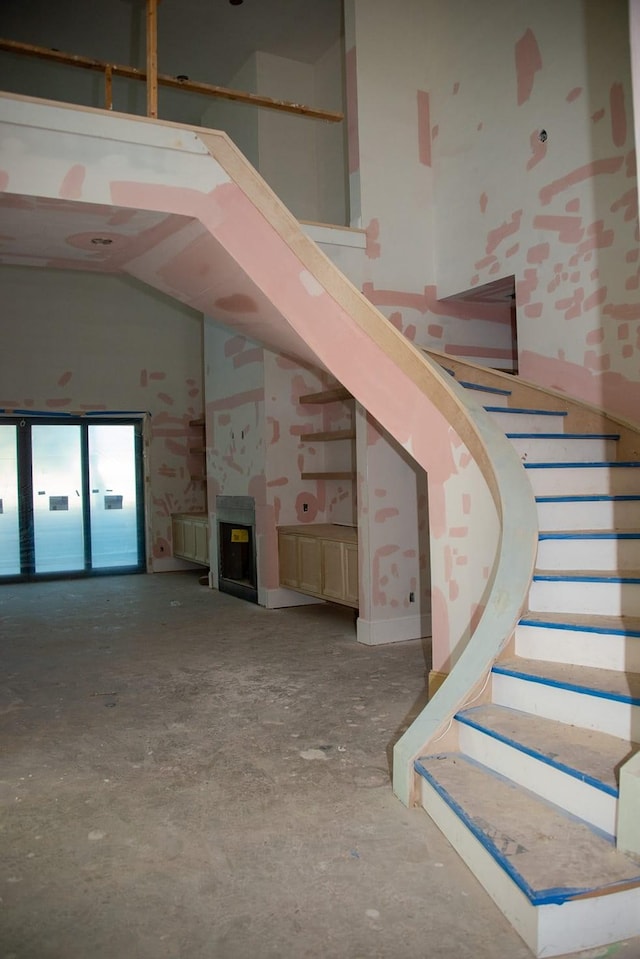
(237, 572)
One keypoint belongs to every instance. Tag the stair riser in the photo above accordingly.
(563, 450)
(595, 514)
(602, 651)
(503, 890)
(579, 481)
(594, 554)
(548, 930)
(597, 599)
(567, 706)
(577, 797)
(526, 422)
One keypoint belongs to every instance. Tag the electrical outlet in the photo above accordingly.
(305, 507)
(412, 597)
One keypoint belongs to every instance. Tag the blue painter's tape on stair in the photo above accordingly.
(464, 717)
(563, 436)
(599, 464)
(573, 687)
(484, 389)
(592, 534)
(600, 580)
(512, 409)
(580, 628)
(590, 498)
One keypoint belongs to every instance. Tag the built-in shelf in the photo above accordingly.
(338, 475)
(328, 436)
(199, 476)
(327, 396)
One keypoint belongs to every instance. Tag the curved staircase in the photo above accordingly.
(525, 780)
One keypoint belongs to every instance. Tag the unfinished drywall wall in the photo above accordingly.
(83, 341)
(238, 120)
(535, 175)
(302, 159)
(255, 425)
(393, 539)
(392, 184)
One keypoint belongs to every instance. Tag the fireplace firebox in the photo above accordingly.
(237, 573)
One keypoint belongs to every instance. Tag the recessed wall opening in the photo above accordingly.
(494, 303)
(237, 569)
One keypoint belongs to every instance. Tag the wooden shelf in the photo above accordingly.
(328, 436)
(327, 396)
(345, 475)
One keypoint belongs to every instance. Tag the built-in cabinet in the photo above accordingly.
(320, 560)
(190, 534)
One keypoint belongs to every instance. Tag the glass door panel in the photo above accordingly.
(58, 526)
(9, 514)
(113, 497)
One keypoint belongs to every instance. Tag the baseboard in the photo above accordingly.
(435, 681)
(380, 632)
(280, 597)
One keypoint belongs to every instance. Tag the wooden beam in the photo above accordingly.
(108, 88)
(152, 58)
(206, 89)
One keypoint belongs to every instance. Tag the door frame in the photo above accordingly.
(24, 420)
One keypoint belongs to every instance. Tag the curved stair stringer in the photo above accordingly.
(582, 416)
(283, 292)
(513, 564)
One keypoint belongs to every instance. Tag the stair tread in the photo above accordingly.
(551, 855)
(586, 753)
(596, 623)
(609, 683)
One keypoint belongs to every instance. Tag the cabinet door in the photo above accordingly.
(309, 564)
(201, 543)
(189, 550)
(177, 533)
(332, 570)
(351, 593)
(288, 556)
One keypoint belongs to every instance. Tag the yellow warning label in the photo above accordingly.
(239, 535)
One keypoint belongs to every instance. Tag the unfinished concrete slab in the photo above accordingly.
(189, 776)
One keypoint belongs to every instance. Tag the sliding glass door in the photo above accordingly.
(9, 512)
(70, 497)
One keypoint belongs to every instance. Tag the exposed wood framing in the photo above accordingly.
(108, 88)
(193, 86)
(152, 58)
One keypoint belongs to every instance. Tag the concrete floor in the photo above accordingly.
(189, 776)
